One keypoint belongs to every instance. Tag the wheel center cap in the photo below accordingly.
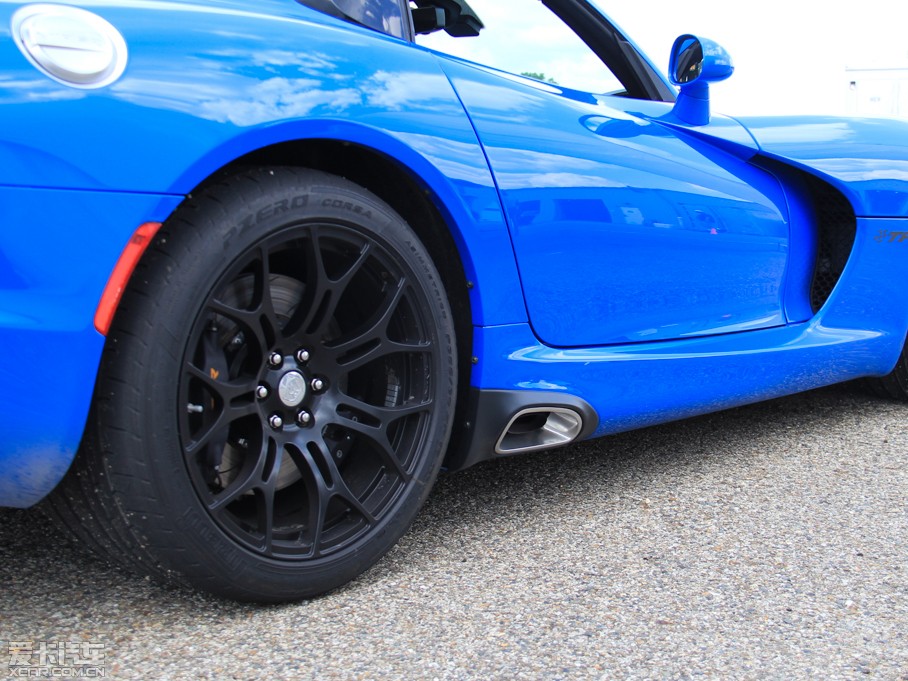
(292, 388)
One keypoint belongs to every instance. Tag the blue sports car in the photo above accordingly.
(266, 268)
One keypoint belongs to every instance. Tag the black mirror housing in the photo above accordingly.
(456, 17)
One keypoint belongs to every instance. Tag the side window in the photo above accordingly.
(524, 37)
(385, 16)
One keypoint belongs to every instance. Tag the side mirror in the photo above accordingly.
(456, 17)
(694, 63)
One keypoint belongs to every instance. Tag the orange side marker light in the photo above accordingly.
(123, 270)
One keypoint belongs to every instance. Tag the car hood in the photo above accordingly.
(866, 158)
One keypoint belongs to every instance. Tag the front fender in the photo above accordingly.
(186, 106)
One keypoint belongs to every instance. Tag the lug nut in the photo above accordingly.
(317, 384)
(302, 356)
(261, 392)
(275, 359)
(304, 418)
(275, 421)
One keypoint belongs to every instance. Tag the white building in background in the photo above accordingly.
(877, 91)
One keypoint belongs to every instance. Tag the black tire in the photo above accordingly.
(893, 385)
(213, 455)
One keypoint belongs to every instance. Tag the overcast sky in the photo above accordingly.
(790, 55)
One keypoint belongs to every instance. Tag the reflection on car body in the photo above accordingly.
(267, 270)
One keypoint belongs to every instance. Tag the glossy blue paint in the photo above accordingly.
(279, 78)
(859, 332)
(713, 65)
(664, 270)
(693, 65)
(53, 276)
(865, 158)
(626, 230)
(802, 247)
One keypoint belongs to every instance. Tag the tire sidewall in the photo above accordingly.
(180, 271)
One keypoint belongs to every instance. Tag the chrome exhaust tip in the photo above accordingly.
(539, 428)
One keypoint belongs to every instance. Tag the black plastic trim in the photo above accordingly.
(613, 48)
(488, 413)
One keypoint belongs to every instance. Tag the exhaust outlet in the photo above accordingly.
(539, 428)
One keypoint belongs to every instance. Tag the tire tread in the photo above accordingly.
(107, 499)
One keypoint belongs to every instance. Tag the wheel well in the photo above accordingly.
(412, 200)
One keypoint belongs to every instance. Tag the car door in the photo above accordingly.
(625, 229)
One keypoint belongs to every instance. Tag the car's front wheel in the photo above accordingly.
(276, 392)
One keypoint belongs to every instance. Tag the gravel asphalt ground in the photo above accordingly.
(763, 542)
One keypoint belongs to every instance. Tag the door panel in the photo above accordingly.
(625, 230)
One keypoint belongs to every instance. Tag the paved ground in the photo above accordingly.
(764, 542)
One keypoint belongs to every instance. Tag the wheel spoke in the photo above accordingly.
(261, 295)
(213, 355)
(317, 494)
(324, 482)
(316, 283)
(338, 486)
(215, 430)
(250, 320)
(264, 496)
(260, 318)
(370, 351)
(250, 478)
(378, 436)
(324, 293)
(377, 325)
(371, 339)
(225, 390)
(335, 293)
(264, 501)
(384, 415)
(318, 512)
(219, 426)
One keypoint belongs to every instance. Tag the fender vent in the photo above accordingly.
(837, 226)
(835, 223)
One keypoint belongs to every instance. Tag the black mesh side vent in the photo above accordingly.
(837, 226)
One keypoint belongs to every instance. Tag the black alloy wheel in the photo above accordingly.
(277, 391)
(307, 384)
